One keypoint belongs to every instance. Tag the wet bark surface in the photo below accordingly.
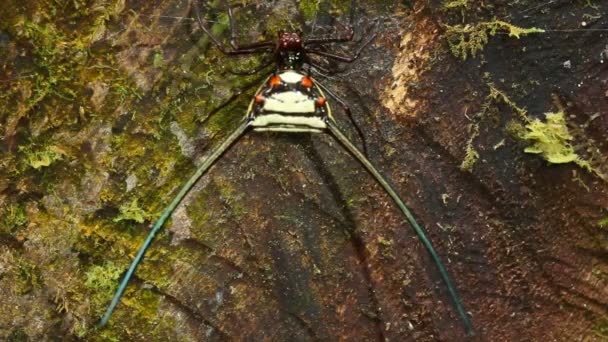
(105, 113)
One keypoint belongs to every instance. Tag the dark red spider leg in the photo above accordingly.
(346, 109)
(324, 40)
(262, 47)
(234, 96)
(313, 41)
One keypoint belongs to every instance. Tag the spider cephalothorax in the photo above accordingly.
(290, 50)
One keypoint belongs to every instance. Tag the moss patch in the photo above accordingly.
(470, 39)
(102, 280)
(309, 8)
(601, 328)
(551, 139)
(13, 217)
(471, 155)
(132, 212)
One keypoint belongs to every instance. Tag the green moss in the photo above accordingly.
(13, 217)
(44, 158)
(309, 8)
(470, 39)
(124, 91)
(551, 139)
(50, 50)
(603, 223)
(463, 5)
(27, 278)
(18, 335)
(132, 212)
(471, 155)
(496, 95)
(102, 279)
(601, 328)
(456, 4)
(158, 60)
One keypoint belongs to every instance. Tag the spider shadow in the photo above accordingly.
(348, 223)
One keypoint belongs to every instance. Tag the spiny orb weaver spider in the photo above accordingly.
(290, 100)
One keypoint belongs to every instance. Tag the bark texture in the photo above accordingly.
(104, 112)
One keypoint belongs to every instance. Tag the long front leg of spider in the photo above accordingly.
(261, 47)
(207, 163)
(419, 231)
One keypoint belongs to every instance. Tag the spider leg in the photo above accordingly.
(346, 109)
(322, 40)
(347, 59)
(234, 96)
(261, 47)
(338, 135)
(207, 163)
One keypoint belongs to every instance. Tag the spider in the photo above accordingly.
(290, 100)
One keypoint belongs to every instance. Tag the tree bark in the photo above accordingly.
(104, 113)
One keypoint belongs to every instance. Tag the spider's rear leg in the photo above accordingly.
(348, 112)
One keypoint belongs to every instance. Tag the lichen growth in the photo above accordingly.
(603, 223)
(470, 39)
